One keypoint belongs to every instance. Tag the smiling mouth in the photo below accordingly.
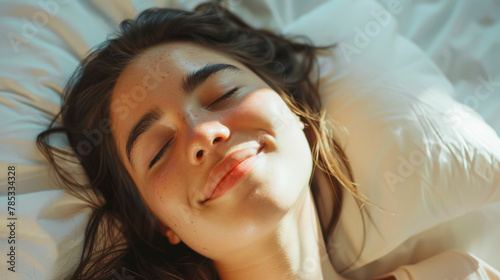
(233, 176)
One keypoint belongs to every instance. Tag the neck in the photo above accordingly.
(293, 250)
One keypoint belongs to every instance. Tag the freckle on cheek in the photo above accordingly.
(159, 195)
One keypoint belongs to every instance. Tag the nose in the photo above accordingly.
(204, 140)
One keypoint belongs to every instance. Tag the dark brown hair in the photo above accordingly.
(122, 235)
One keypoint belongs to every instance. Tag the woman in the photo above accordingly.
(205, 138)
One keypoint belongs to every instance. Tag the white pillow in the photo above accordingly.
(414, 150)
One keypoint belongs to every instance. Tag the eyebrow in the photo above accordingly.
(189, 84)
(195, 79)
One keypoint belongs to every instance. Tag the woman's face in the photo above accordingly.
(174, 127)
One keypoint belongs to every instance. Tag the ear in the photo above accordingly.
(173, 238)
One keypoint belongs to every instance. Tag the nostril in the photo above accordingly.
(199, 154)
(217, 140)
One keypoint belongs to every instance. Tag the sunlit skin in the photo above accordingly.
(266, 226)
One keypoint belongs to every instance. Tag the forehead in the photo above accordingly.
(170, 62)
(176, 56)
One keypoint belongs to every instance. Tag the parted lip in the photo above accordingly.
(224, 167)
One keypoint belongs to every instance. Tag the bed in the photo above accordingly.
(398, 54)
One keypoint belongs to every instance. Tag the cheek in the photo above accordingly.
(168, 199)
(266, 106)
(171, 206)
(165, 198)
(162, 187)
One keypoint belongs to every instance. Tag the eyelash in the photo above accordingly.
(160, 153)
(225, 96)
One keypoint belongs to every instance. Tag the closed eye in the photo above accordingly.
(159, 155)
(162, 151)
(225, 96)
